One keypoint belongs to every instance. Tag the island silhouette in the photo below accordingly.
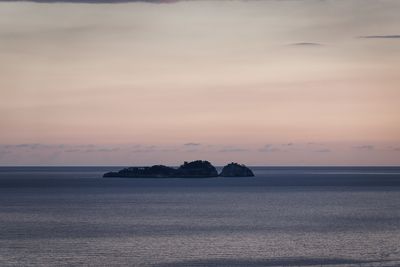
(193, 169)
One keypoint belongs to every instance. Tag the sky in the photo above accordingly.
(273, 82)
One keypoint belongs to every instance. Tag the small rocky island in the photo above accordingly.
(194, 169)
(236, 170)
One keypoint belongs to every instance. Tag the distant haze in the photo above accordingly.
(306, 82)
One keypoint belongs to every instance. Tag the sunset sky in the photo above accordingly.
(274, 82)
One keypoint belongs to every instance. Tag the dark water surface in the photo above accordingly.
(299, 216)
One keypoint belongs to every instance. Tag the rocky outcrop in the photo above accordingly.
(194, 169)
(156, 171)
(236, 170)
(197, 169)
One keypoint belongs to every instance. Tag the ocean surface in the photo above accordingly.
(285, 216)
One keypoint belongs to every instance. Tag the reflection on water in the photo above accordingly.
(70, 217)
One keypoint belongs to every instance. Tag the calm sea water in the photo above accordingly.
(70, 216)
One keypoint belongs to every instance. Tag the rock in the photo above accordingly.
(197, 169)
(236, 170)
(194, 169)
(156, 171)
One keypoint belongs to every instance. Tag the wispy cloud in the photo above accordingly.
(284, 147)
(395, 36)
(232, 149)
(143, 149)
(114, 149)
(306, 44)
(72, 150)
(323, 150)
(136, 149)
(121, 1)
(32, 146)
(364, 147)
(315, 144)
(269, 148)
(99, 1)
(288, 144)
(317, 147)
(192, 144)
(292, 147)
(169, 150)
(84, 148)
(393, 148)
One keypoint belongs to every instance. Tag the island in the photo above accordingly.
(236, 170)
(194, 169)
(156, 171)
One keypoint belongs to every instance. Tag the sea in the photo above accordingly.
(284, 216)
